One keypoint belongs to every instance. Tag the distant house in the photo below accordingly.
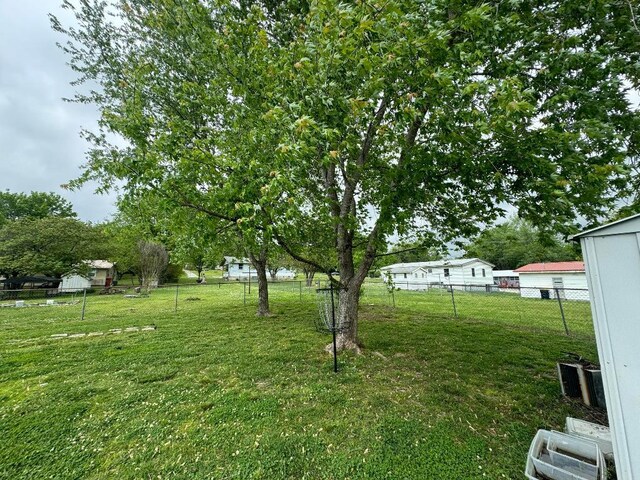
(506, 279)
(101, 274)
(241, 269)
(543, 280)
(460, 273)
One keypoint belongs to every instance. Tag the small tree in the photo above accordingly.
(153, 262)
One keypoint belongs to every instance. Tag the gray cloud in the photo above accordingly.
(40, 146)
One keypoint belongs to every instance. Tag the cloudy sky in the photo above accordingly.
(40, 146)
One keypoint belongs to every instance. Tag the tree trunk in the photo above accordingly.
(349, 293)
(260, 265)
(263, 292)
(308, 275)
(347, 316)
(351, 280)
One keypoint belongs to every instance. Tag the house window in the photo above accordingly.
(415, 275)
(430, 270)
(484, 274)
(473, 272)
(423, 275)
(395, 275)
(446, 272)
(405, 275)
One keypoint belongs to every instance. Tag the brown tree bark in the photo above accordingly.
(259, 263)
(351, 281)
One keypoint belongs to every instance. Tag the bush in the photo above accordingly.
(172, 273)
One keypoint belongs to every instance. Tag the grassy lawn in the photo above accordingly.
(215, 392)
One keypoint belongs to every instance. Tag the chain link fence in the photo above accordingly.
(565, 310)
(559, 310)
(123, 300)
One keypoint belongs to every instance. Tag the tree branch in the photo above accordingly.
(300, 258)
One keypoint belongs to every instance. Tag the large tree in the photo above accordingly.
(33, 205)
(50, 246)
(366, 118)
(516, 243)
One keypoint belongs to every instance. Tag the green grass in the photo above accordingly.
(215, 392)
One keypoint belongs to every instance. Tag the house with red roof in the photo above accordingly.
(550, 280)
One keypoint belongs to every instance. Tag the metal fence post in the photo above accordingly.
(564, 320)
(300, 287)
(333, 331)
(453, 301)
(244, 293)
(84, 302)
(176, 305)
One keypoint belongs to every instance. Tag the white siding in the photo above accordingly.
(612, 258)
(241, 271)
(284, 274)
(461, 277)
(416, 280)
(531, 284)
(74, 283)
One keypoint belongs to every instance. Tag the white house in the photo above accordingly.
(101, 275)
(242, 269)
(543, 280)
(460, 273)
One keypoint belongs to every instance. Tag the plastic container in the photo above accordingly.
(558, 456)
(591, 431)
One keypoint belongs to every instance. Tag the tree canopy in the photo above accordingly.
(516, 243)
(51, 246)
(33, 205)
(367, 119)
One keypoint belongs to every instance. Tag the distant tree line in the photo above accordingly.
(41, 236)
(516, 243)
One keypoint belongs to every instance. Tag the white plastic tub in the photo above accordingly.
(559, 456)
(591, 431)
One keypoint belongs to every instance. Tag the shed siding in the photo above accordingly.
(74, 283)
(575, 284)
(613, 266)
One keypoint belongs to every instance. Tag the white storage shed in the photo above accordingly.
(101, 274)
(544, 280)
(612, 258)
